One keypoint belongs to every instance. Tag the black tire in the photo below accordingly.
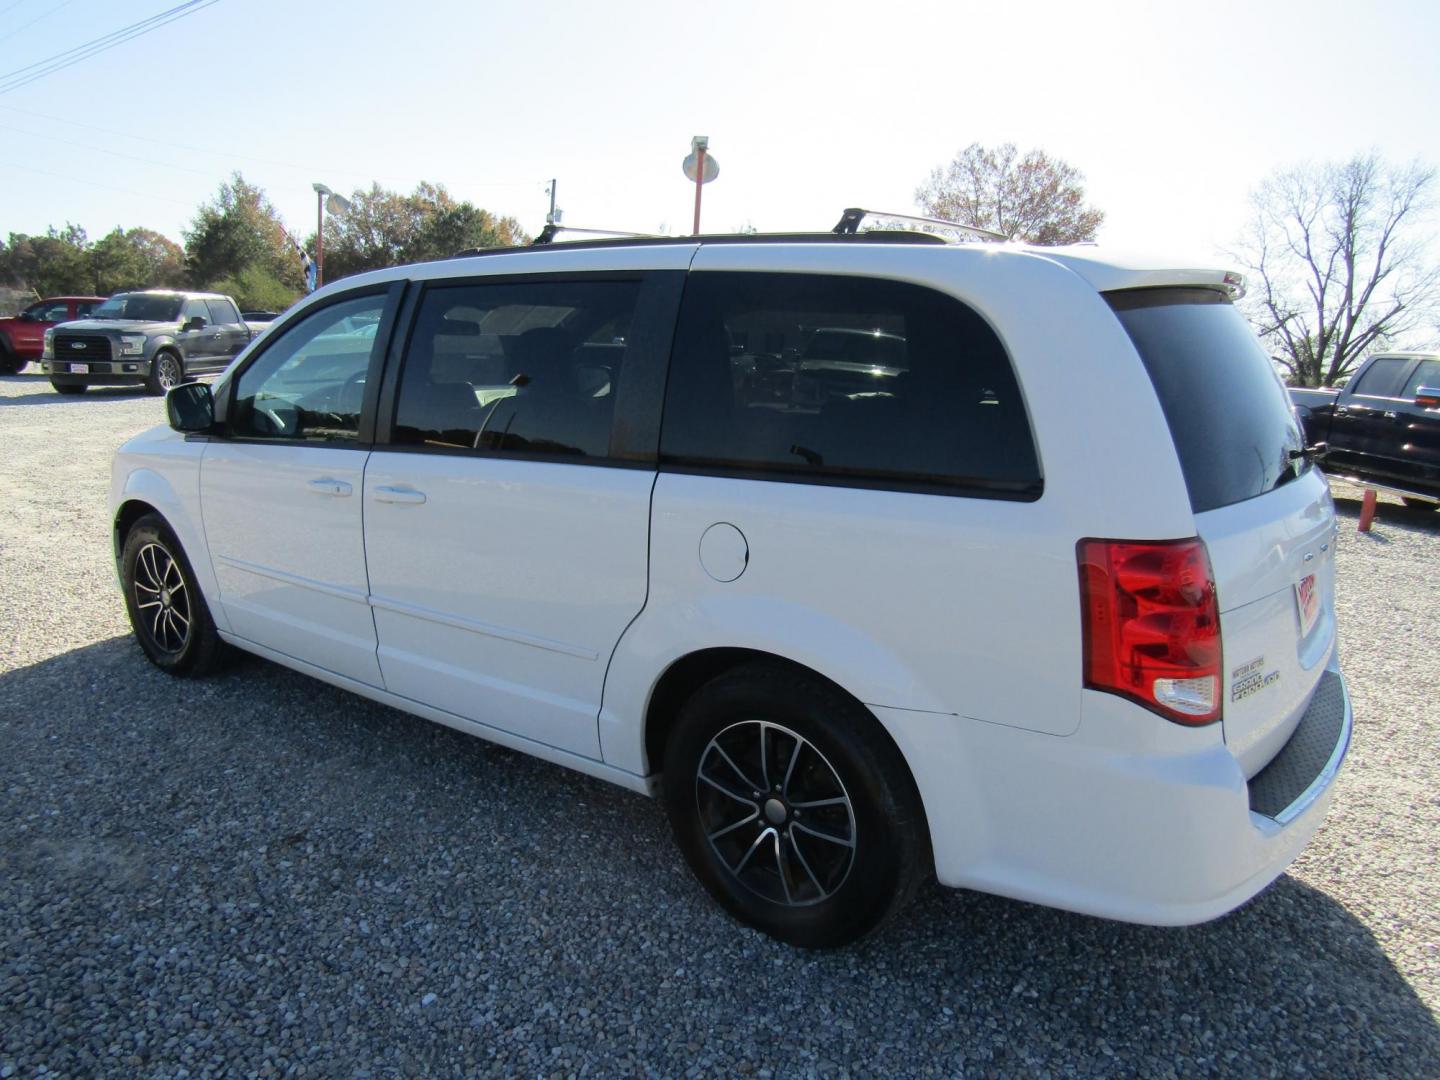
(1422, 505)
(177, 634)
(167, 371)
(832, 893)
(9, 363)
(68, 388)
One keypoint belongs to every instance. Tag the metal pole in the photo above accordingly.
(699, 185)
(319, 238)
(551, 219)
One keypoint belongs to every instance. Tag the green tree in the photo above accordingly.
(238, 231)
(385, 228)
(55, 264)
(1340, 261)
(1031, 197)
(136, 259)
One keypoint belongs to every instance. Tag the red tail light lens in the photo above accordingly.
(1152, 626)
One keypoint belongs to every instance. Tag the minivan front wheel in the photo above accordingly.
(793, 807)
(169, 616)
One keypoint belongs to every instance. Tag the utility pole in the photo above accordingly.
(550, 217)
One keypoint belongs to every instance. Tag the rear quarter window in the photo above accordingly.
(1234, 430)
(844, 380)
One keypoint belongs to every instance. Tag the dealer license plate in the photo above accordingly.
(80, 369)
(1307, 597)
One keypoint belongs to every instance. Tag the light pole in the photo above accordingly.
(320, 192)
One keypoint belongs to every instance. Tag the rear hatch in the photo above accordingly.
(1264, 512)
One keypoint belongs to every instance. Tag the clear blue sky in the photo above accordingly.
(1173, 112)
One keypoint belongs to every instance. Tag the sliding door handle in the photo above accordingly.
(387, 494)
(329, 486)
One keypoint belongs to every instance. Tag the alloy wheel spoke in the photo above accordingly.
(815, 804)
(790, 770)
(805, 864)
(782, 869)
(750, 851)
(824, 835)
(746, 820)
(764, 759)
(726, 791)
(738, 771)
(149, 604)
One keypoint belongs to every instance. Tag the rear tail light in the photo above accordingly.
(1152, 626)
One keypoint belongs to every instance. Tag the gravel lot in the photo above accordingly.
(260, 875)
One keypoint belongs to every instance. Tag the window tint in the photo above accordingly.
(56, 312)
(222, 312)
(82, 310)
(1384, 377)
(1427, 374)
(873, 382)
(310, 382)
(525, 369)
(1230, 417)
(195, 309)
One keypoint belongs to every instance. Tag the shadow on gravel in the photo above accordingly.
(42, 393)
(259, 870)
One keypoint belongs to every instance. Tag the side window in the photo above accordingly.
(221, 312)
(310, 382)
(1384, 377)
(57, 312)
(843, 377)
(524, 368)
(1427, 374)
(195, 309)
(83, 310)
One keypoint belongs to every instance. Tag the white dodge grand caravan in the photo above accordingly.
(876, 556)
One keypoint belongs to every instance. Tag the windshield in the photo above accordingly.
(140, 307)
(1234, 430)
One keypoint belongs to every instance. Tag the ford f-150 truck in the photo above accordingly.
(157, 338)
(1382, 428)
(22, 336)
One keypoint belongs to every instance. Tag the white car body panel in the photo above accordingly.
(287, 551)
(501, 596)
(539, 604)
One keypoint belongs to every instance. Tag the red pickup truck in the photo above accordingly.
(22, 337)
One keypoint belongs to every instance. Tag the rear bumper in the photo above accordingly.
(1130, 818)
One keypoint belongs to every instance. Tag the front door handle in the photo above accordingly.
(329, 486)
(388, 494)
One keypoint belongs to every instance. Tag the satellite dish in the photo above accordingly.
(712, 168)
(337, 203)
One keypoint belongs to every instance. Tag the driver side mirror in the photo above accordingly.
(196, 322)
(191, 407)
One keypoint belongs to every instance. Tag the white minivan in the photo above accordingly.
(876, 556)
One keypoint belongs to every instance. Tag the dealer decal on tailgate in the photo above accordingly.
(1250, 679)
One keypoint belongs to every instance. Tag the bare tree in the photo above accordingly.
(1031, 197)
(1337, 262)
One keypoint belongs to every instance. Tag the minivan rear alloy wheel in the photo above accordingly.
(167, 371)
(793, 807)
(169, 616)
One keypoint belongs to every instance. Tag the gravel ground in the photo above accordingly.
(257, 874)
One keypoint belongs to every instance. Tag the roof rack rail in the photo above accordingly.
(551, 230)
(849, 224)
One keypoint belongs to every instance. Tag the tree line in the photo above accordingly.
(1339, 256)
(237, 244)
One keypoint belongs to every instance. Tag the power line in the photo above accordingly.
(92, 183)
(12, 7)
(32, 22)
(23, 76)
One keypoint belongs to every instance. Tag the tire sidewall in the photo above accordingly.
(874, 878)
